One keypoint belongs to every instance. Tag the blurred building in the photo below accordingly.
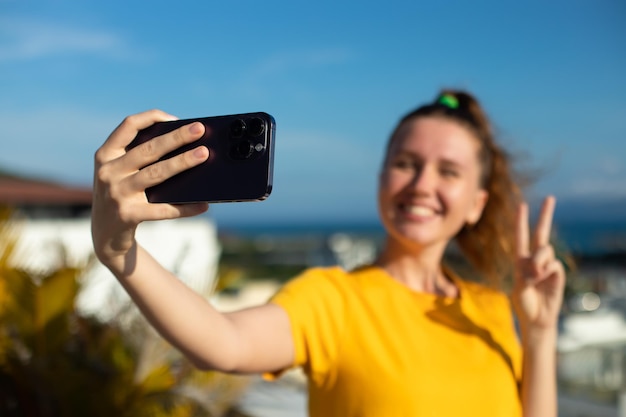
(52, 229)
(36, 199)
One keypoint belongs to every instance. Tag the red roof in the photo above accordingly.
(21, 191)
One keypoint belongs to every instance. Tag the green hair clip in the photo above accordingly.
(449, 101)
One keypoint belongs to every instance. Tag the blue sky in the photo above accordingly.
(335, 75)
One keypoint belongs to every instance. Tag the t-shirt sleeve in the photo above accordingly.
(315, 306)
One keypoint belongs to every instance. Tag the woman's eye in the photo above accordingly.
(449, 172)
(403, 164)
(400, 164)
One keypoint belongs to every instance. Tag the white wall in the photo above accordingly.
(187, 247)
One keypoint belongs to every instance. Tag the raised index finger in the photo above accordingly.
(521, 231)
(544, 224)
(123, 134)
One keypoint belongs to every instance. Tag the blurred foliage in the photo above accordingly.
(56, 362)
(229, 278)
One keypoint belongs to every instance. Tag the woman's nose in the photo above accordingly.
(424, 180)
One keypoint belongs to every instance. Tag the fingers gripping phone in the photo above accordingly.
(239, 167)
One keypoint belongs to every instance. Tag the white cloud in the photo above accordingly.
(287, 61)
(611, 165)
(30, 39)
(592, 172)
(324, 155)
(279, 63)
(597, 187)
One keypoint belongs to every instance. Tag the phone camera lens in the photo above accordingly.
(238, 128)
(256, 126)
(243, 150)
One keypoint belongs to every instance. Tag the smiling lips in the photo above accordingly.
(418, 210)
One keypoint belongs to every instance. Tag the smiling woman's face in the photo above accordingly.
(429, 186)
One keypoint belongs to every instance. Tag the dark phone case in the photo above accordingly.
(228, 175)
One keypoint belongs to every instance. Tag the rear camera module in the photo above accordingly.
(242, 150)
(256, 126)
(238, 128)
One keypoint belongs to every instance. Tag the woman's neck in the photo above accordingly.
(418, 269)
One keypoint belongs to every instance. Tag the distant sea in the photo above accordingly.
(580, 237)
(592, 237)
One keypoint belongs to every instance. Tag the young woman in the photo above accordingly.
(403, 336)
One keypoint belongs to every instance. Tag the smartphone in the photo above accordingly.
(240, 164)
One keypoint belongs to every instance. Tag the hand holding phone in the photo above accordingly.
(239, 167)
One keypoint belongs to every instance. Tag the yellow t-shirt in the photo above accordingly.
(372, 347)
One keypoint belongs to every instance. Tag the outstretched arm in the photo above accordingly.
(253, 340)
(537, 298)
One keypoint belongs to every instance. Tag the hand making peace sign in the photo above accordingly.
(539, 276)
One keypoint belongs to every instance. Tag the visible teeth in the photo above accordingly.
(420, 210)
